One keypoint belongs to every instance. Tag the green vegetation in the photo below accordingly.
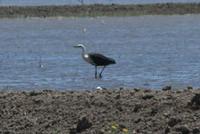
(116, 129)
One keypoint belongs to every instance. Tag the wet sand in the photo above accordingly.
(98, 10)
(100, 111)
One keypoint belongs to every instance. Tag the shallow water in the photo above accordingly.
(150, 51)
(61, 2)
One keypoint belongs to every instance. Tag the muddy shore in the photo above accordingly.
(99, 10)
(100, 112)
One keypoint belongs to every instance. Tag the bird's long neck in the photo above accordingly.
(83, 50)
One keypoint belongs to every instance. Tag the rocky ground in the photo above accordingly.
(104, 111)
(99, 10)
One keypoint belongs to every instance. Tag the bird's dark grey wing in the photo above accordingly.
(100, 60)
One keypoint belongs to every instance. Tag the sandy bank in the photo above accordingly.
(100, 112)
(98, 10)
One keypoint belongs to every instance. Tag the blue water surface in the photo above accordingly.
(150, 51)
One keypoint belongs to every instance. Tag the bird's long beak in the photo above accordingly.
(76, 46)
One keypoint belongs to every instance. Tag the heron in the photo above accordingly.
(95, 59)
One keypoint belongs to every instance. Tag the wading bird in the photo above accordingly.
(95, 59)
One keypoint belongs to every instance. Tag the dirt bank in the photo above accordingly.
(100, 112)
(98, 10)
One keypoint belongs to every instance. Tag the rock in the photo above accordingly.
(71, 92)
(136, 89)
(117, 97)
(166, 88)
(47, 91)
(33, 93)
(119, 108)
(72, 131)
(137, 120)
(183, 130)
(7, 132)
(99, 88)
(121, 126)
(137, 108)
(196, 100)
(37, 101)
(189, 87)
(134, 132)
(166, 114)
(196, 131)
(147, 96)
(83, 124)
(173, 121)
(147, 90)
(121, 88)
(101, 131)
(132, 93)
(154, 111)
(167, 130)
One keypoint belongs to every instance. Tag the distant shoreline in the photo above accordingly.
(99, 10)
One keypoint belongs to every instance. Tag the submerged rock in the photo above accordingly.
(189, 87)
(166, 88)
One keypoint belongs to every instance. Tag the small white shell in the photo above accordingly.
(99, 88)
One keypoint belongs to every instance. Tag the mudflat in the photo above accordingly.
(99, 10)
(100, 111)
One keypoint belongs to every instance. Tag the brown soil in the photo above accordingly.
(99, 10)
(100, 112)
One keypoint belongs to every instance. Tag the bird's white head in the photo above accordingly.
(81, 46)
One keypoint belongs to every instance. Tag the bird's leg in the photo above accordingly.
(95, 72)
(100, 74)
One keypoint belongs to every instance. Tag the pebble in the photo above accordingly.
(99, 88)
(196, 100)
(83, 124)
(196, 131)
(147, 96)
(173, 121)
(183, 130)
(167, 130)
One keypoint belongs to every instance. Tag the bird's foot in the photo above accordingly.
(96, 77)
(100, 76)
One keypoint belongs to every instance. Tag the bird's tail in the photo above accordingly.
(113, 61)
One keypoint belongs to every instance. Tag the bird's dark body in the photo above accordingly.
(100, 60)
